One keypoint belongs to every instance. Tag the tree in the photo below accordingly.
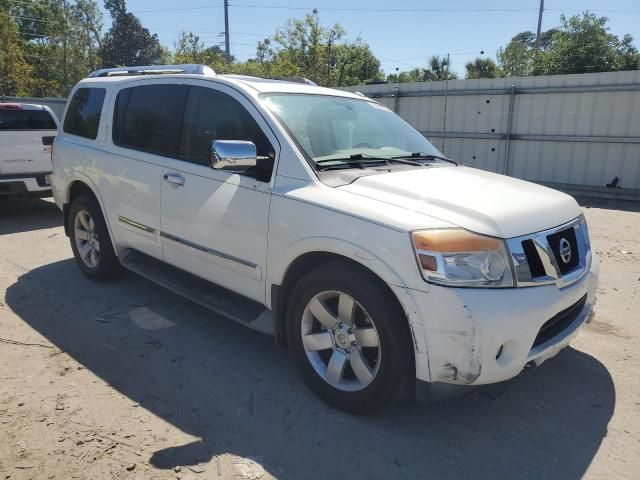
(413, 75)
(304, 47)
(516, 59)
(438, 69)
(14, 70)
(482, 68)
(127, 42)
(583, 44)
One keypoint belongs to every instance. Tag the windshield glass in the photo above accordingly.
(337, 128)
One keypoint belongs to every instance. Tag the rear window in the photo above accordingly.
(148, 118)
(26, 120)
(83, 113)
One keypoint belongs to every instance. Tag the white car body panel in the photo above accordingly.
(477, 200)
(456, 331)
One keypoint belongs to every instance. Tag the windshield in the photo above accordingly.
(340, 128)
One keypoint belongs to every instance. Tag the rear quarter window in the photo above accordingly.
(83, 114)
(26, 120)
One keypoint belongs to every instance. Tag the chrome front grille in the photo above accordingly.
(541, 258)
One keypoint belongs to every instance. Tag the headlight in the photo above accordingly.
(457, 257)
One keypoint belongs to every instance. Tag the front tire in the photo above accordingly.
(90, 240)
(350, 338)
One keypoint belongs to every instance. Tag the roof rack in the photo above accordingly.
(294, 80)
(195, 69)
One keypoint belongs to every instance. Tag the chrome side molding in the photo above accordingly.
(208, 250)
(133, 223)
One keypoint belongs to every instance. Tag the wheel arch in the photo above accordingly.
(83, 186)
(307, 261)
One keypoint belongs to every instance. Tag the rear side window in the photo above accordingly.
(148, 118)
(83, 113)
(26, 120)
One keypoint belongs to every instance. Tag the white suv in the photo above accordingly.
(27, 132)
(321, 217)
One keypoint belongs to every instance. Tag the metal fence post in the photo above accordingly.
(508, 133)
(396, 90)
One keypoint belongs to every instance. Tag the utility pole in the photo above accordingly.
(227, 49)
(65, 75)
(539, 23)
(446, 95)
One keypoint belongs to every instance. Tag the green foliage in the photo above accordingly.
(437, 69)
(582, 44)
(59, 45)
(304, 47)
(14, 70)
(482, 68)
(127, 42)
(413, 75)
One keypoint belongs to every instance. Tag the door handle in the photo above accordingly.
(174, 178)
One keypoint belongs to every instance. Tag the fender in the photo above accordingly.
(77, 176)
(324, 244)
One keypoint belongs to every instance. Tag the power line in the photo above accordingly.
(384, 10)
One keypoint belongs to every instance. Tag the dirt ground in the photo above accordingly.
(126, 380)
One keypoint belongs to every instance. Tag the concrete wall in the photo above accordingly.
(574, 131)
(55, 104)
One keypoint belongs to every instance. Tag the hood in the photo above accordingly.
(477, 200)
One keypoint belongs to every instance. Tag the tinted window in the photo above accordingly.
(26, 120)
(148, 118)
(211, 115)
(83, 114)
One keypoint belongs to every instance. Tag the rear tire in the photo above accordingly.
(350, 338)
(90, 240)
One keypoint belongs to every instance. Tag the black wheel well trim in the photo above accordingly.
(75, 189)
(303, 264)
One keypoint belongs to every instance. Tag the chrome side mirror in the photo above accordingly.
(230, 153)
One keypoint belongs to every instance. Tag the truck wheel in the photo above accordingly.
(350, 338)
(90, 239)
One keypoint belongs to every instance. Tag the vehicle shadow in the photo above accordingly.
(27, 214)
(240, 394)
(608, 204)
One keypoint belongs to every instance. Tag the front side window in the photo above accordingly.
(212, 115)
(328, 127)
(83, 115)
(148, 118)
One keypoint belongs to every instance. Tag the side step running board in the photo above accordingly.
(218, 299)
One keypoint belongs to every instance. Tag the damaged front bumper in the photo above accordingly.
(468, 336)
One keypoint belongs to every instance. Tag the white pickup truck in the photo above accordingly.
(321, 217)
(27, 132)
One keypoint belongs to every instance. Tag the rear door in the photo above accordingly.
(25, 139)
(145, 130)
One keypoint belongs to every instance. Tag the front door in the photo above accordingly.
(214, 221)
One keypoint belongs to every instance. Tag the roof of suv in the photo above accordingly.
(257, 84)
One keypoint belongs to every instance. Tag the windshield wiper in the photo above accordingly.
(358, 159)
(425, 156)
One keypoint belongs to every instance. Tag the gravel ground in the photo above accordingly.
(126, 380)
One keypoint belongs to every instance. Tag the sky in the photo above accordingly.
(402, 34)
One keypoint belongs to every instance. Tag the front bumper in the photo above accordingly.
(469, 336)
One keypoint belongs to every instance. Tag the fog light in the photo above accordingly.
(499, 352)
